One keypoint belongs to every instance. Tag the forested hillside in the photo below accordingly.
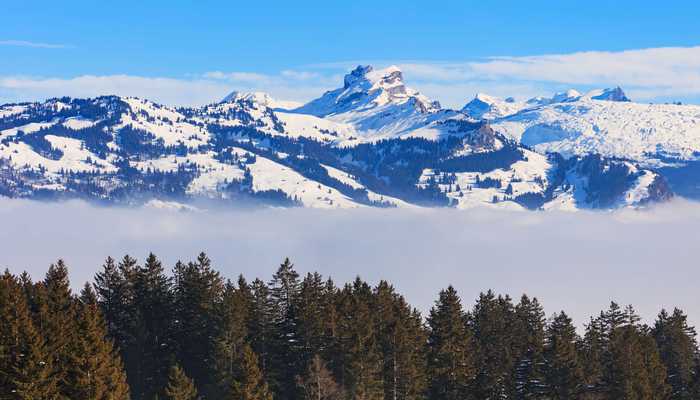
(141, 332)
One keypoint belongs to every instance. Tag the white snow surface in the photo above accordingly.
(74, 158)
(28, 128)
(76, 123)
(163, 122)
(269, 175)
(12, 109)
(620, 129)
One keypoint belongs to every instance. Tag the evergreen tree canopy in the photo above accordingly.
(180, 386)
(306, 339)
(452, 355)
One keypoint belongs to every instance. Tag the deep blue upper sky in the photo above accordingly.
(184, 38)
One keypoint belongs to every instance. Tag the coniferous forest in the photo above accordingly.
(142, 332)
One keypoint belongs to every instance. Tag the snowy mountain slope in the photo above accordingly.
(641, 132)
(163, 123)
(268, 175)
(373, 142)
(665, 137)
(310, 126)
(12, 109)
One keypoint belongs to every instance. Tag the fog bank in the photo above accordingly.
(578, 262)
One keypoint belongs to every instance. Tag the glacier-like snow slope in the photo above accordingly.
(642, 132)
(600, 122)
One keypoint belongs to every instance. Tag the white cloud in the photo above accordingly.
(25, 43)
(195, 90)
(657, 74)
(246, 77)
(659, 71)
(648, 74)
(165, 90)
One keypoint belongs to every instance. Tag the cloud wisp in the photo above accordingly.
(193, 91)
(166, 90)
(578, 262)
(38, 45)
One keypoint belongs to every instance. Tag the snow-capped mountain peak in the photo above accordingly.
(365, 89)
(610, 94)
(261, 98)
(484, 106)
(567, 96)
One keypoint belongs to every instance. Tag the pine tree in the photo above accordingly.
(25, 364)
(249, 383)
(678, 350)
(114, 287)
(198, 293)
(180, 386)
(109, 289)
(452, 351)
(235, 313)
(635, 370)
(333, 351)
(95, 370)
(491, 321)
(592, 354)
(57, 321)
(261, 329)
(362, 364)
(657, 373)
(595, 350)
(402, 339)
(318, 383)
(529, 346)
(153, 329)
(311, 325)
(284, 295)
(563, 375)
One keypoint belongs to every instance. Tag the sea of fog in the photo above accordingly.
(578, 262)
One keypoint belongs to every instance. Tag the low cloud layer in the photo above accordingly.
(578, 262)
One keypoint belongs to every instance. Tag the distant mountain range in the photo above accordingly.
(371, 142)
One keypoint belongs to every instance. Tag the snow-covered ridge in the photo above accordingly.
(647, 133)
(488, 107)
(374, 141)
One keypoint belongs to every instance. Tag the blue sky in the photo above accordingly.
(169, 50)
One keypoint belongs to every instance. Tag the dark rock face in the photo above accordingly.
(356, 74)
(615, 94)
(482, 138)
(659, 191)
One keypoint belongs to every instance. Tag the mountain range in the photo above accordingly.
(373, 142)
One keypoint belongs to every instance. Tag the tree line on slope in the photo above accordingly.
(140, 333)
